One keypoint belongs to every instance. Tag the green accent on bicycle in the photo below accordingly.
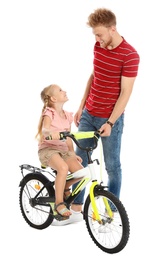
(93, 203)
(108, 209)
(69, 177)
(43, 166)
(83, 135)
(80, 186)
(52, 206)
(61, 135)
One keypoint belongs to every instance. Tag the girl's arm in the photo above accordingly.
(70, 145)
(46, 129)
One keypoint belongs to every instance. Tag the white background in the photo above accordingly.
(44, 42)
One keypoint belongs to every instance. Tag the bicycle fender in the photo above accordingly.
(34, 175)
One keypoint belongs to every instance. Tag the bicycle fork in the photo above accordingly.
(96, 214)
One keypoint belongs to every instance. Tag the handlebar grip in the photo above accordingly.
(49, 137)
(63, 135)
(100, 132)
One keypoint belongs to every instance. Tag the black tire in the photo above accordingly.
(112, 235)
(37, 216)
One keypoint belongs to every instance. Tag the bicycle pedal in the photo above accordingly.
(60, 218)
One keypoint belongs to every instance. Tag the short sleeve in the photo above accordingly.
(131, 64)
(49, 112)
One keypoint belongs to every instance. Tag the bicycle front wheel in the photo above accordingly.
(34, 189)
(111, 234)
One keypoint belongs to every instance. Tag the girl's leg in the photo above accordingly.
(86, 124)
(73, 166)
(58, 164)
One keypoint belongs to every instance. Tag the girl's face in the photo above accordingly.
(59, 95)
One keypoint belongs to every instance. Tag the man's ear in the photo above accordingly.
(113, 28)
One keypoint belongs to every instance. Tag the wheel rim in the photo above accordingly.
(109, 234)
(38, 214)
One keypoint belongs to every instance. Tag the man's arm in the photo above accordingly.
(126, 90)
(83, 101)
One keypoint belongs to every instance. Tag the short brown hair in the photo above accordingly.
(101, 16)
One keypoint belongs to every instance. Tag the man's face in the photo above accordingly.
(103, 35)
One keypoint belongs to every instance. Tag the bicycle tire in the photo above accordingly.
(37, 216)
(112, 235)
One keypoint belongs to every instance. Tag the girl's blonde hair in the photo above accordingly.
(46, 95)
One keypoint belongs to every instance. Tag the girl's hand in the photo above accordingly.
(55, 135)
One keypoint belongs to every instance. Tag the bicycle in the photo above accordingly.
(109, 230)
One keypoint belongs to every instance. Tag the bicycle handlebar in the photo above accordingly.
(79, 135)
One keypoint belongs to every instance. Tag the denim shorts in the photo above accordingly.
(46, 153)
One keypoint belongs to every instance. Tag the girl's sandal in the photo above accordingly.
(63, 211)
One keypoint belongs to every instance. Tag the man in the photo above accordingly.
(115, 67)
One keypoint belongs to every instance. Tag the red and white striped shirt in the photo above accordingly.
(109, 67)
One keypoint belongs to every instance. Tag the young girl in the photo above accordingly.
(56, 153)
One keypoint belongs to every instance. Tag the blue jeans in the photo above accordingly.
(111, 151)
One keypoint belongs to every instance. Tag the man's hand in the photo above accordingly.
(105, 130)
(77, 117)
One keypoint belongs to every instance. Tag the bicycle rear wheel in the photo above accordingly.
(112, 235)
(34, 195)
